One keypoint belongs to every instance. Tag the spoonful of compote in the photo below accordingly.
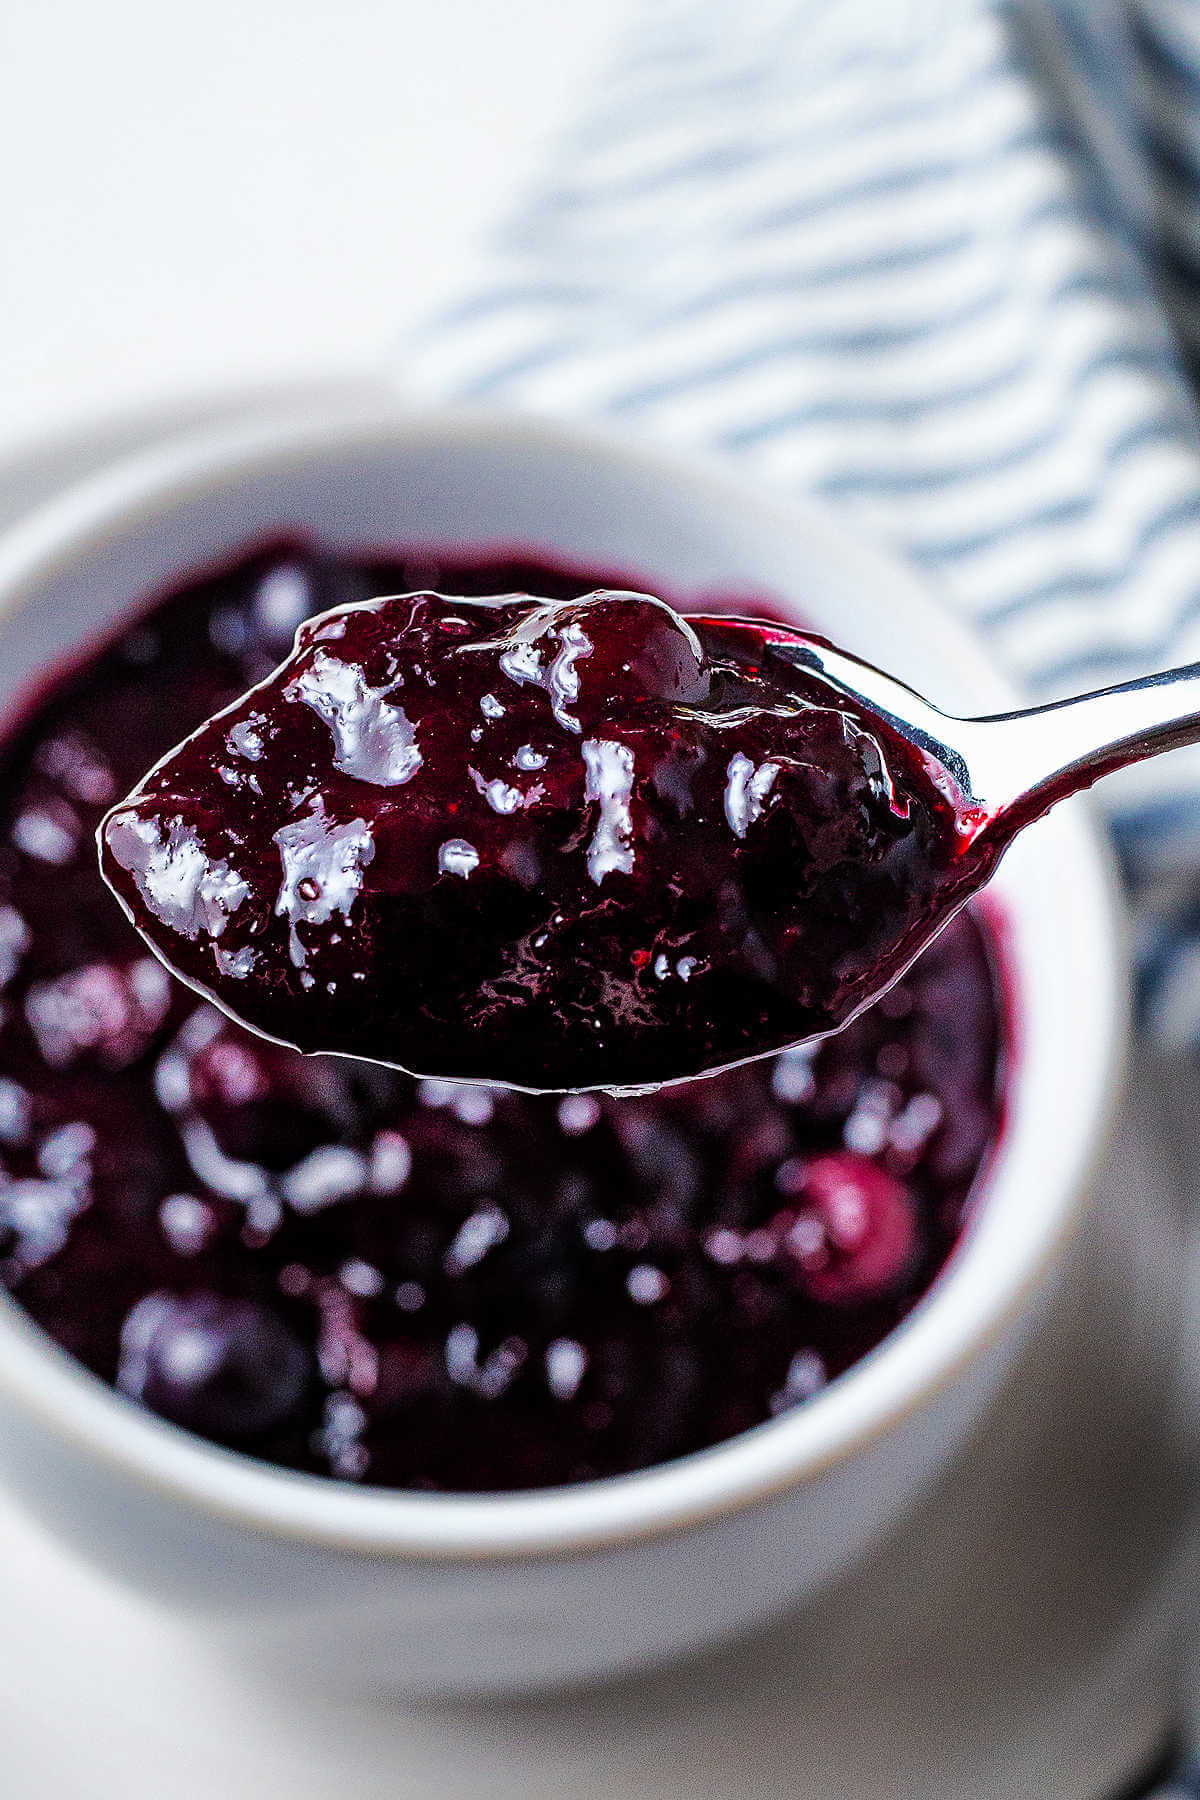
(584, 843)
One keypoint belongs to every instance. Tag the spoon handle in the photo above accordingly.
(1022, 762)
(1011, 767)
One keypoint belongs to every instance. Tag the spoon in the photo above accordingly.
(584, 844)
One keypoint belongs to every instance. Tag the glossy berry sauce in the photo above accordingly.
(420, 1283)
(565, 844)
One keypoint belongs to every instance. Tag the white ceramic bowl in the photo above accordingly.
(447, 1593)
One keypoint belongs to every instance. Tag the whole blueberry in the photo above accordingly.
(226, 1368)
(634, 650)
(854, 1235)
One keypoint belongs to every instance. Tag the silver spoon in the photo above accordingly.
(976, 783)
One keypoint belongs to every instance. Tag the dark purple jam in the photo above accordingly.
(553, 844)
(339, 1268)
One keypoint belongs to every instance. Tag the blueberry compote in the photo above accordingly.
(556, 844)
(418, 1283)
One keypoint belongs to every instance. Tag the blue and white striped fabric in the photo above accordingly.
(1174, 1779)
(938, 261)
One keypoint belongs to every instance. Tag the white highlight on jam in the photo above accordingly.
(746, 792)
(457, 857)
(180, 885)
(323, 867)
(522, 662)
(375, 741)
(610, 771)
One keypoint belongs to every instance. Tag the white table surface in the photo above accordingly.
(207, 195)
(193, 198)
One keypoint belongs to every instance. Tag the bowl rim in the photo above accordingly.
(899, 1377)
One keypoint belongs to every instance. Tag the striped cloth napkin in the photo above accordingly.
(940, 262)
